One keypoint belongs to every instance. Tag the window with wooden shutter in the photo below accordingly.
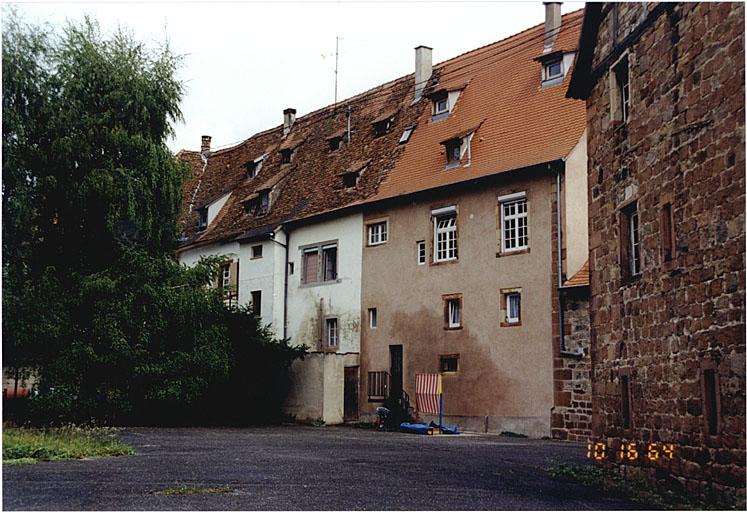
(310, 266)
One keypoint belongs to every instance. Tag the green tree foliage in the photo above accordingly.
(92, 295)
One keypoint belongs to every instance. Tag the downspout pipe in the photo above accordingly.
(285, 277)
(559, 248)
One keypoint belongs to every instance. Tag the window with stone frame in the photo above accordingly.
(445, 235)
(331, 333)
(514, 223)
(630, 242)
(452, 311)
(378, 233)
(448, 363)
(620, 89)
(510, 311)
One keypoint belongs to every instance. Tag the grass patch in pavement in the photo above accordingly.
(627, 486)
(30, 445)
(185, 490)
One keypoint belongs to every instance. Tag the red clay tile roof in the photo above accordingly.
(521, 125)
(580, 278)
(524, 123)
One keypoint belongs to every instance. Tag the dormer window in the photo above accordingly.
(381, 127)
(286, 155)
(264, 202)
(203, 219)
(334, 143)
(441, 103)
(352, 174)
(350, 179)
(453, 152)
(553, 69)
(254, 166)
(406, 135)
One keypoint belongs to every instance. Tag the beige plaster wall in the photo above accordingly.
(504, 372)
(576, 221)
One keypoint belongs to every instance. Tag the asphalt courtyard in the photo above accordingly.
(290, 468)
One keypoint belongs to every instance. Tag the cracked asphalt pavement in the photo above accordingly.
(308, 468)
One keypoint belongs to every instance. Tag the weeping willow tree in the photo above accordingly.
(92, 296)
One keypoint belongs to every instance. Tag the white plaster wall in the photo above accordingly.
(576, 230)
(341, 298)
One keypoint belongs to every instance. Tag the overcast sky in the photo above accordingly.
(244, 62)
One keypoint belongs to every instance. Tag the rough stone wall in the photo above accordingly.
(684, 144)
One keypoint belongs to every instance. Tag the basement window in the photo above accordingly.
(448, 363)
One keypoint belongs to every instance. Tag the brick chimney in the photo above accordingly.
(423, 68)
(205, 147)
(289, 117)
(552, 23)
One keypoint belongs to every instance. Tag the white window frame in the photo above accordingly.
(438, 102)
(454, 312)
(449, 232)
(332, 332)
(547, 66)
(406, 135)
(511, 318)
(373, 318)
(226, 277)
(505, 202)
(378, 232)
(422, 252)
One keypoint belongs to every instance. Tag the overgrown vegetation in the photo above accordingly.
(93, 298)
(186, 490)
(629, 486)
(29, 446)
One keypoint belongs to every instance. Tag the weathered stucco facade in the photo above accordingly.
(667, 225)
(504, 380)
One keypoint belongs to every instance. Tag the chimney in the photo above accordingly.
(423, 68)
(289, 117)
(552, 23)
(205, 143)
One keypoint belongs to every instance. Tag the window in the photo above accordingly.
(372, 318)
(441, 104)
(406, 135)
(310, 266)
(256, 251)
(421, 252)
(257, 302)
(225, 281)
(319, 264)
(710, 400)
(554, 69)
(264, 202)
(513, 308)
(620, 90)
(203, 220)
(667, 232)
(350, 179)
(331, 332)
(453, 312)
(334, 143)
(444, 235)
(253, 167)
(286, 156)
(381, 127)
(453, 152)
(329, 263)
(448, 363)
(630, 242)
(515, 223)
(625, 401)
(377, 233)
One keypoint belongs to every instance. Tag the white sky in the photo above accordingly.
(244, 62)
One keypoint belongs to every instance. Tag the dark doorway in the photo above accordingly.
(395, 354)
(351, 394)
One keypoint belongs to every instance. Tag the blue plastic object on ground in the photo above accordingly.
(415, 428)
(445, 429)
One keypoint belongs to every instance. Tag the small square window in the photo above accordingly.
(203, 220)
(421, 252)
(256, 251)
(441, 105)
(334, 143)
(372, 318)
(453, 312)
(554, 69)
(350, 179)
(332, 333)
(448, 363)
(377, 233)
(381, 127)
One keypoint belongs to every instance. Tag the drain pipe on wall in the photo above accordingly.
(559, 241)
(285, 278)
